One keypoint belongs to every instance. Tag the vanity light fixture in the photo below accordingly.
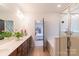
(58, 5)
(77, 15)
(20, 14)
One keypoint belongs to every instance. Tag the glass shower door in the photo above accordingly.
(69, 35)
(74, 51)
(63, 29)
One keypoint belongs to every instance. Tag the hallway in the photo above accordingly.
(38, 51)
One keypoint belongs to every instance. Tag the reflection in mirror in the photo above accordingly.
(1, 25)
(9, 25)
(1, 29)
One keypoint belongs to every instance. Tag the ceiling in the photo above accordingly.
(42, 7)
(32, 7)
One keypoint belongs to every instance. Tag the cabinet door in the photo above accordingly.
(24, 49)
(19, 50)
(30, 46)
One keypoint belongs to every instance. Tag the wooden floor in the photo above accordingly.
(38, 51)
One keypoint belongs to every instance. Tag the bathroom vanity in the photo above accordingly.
(16, 48)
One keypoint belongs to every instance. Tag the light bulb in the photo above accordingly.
(59, 5)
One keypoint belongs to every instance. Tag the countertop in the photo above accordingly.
(7, 46)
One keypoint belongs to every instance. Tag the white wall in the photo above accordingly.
(52, 25)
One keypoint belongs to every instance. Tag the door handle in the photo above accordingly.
(68, 46)
(68, 42)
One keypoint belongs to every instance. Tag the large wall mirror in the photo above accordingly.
(6, 25)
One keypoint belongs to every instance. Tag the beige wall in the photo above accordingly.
(28, 23)
(51, 24)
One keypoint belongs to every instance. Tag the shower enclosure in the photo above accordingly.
(69, 34)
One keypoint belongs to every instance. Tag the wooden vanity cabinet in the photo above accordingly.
(24, 49)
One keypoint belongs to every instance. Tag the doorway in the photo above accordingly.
(39, 32)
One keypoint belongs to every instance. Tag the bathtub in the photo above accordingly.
(53, 45)
(74, 49)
